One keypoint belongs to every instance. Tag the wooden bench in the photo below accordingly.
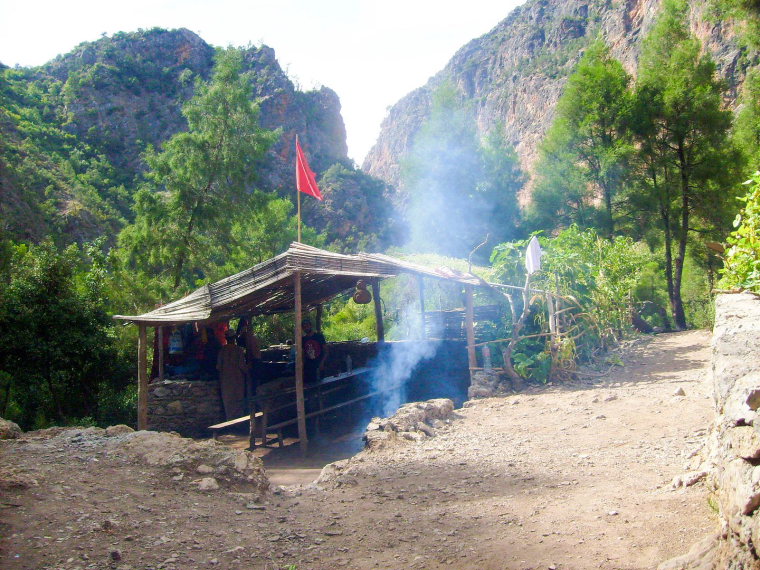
(277, 428)
(312, 392)
(216, 428)
(263, 402)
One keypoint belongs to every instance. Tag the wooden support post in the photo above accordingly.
(470, 326)
(298, 334)
(421, 285)
(378, 311)
(160, 353)
(142, 377)
(318, 319)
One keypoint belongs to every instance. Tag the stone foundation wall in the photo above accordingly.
(732, 452)
(185, 406)
(490, 383)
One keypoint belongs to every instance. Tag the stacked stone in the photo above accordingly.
(184, 406)
(490, 383)
(412, 422)
(733, 448)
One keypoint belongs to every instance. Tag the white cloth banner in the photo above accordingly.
(533, 256)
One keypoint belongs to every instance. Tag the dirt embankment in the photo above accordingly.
(600, 473)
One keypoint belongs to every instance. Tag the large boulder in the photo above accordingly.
(9, 429)
(412, 422)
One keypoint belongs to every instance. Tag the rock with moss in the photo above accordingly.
(9, 429)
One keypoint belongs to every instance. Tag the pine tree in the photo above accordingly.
(199, 184)
(682, 131)
(584, 156)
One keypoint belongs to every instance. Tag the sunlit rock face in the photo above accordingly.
(513, 76)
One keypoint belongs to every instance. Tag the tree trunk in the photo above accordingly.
(678, 313)
(609, 222)
(60, 417)
(665, 217)
(6, 397)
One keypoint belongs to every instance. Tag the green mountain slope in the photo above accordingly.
(74, 129)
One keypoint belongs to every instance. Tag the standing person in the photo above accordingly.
(209, 349)
(248, 340)
(232, 370)
(314, 352)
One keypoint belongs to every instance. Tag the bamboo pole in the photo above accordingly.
(142, 377)
(298, 334)
(160, 353)
(378, 311)
(298, 201)
(421, 285)
(470, 327)
(318, 318)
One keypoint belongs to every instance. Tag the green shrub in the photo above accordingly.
(593, 280)
(742, 259)
(57, 342)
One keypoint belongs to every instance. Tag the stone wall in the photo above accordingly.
(185, 406)
(732, 452)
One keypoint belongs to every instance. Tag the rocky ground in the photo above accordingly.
(603, 472)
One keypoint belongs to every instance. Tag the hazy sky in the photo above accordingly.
(371, 53)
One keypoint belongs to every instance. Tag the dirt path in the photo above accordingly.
(566, 477)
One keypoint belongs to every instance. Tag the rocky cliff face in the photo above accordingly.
(514, 75)
(125, 92)
(114, 97)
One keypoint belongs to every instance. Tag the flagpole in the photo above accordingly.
(298, 195)
(298, 198)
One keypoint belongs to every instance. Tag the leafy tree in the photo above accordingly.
(459, 189)
(266, 231)
(560, 198)
(742, 259)
(747, 127)
(683, 136)
(356, 214)
(57, 351)
(592, 279)
(501, 182)
(199, 183)
(584, 156)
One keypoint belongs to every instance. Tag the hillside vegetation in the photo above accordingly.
(144, 165)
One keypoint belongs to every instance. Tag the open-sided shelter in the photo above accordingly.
(300, 279)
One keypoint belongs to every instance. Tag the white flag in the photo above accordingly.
(533, 256)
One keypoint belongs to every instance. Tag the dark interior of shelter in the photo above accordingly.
(209, 376)
(359, 380)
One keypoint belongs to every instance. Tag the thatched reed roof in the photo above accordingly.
(268, 287)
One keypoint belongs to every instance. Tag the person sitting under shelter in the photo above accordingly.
(314, 349)
(248, 341)
(232, 369)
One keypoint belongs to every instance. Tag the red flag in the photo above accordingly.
(306, 180)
